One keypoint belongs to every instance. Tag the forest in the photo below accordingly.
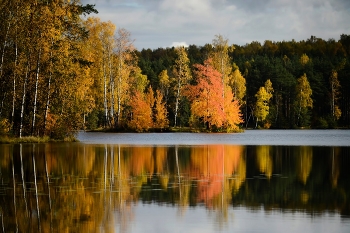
(62, 70)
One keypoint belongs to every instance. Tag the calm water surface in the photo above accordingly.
(249, 137)
(257, 181)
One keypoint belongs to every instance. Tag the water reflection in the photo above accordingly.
(96, 188)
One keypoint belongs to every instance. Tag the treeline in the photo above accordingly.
(44, 77)
(60, 72)
(309, 80)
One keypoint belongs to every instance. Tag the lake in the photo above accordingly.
(256, 181)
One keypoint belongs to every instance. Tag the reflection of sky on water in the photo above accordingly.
(249, 137)
(163, 218)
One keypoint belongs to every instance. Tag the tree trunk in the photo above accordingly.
(14, 85)
(105, 93)
(119, 90)
(2, 102)
(3, 49)
(36, 90)
(1, 65)
(36, 190)
(111, 81)
(48, 94)
(177, 103)
(14, 192)
(22, 174)
(23, 100)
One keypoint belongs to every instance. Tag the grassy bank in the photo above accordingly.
(32, 139)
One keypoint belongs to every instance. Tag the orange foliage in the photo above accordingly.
(141, 119)
(208, 101)
(160, 118)
(206, 96)
(232, 111)
(141, 161)
(210, 165)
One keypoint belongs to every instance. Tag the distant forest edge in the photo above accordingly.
(61, 72)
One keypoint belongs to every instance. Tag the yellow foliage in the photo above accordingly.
(304, 163)
(238, 84)
(264, 160)
(304, 59)
(304, 92)
(4, 126)
(161, 120)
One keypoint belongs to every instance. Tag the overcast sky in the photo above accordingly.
(165, 23)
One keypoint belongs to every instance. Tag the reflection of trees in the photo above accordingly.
(85, 188)
(304, 161)
(335, 166)
(264, 160)
(214, 168)
(211, 166)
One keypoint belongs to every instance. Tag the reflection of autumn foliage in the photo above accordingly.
(304, 163)
(160, 159)
(335, 165)
(264, 160)
(210, 166)
(86, 188)
(141, 161)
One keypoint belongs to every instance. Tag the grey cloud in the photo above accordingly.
(160, 23)
(341, 5)
(251, 5)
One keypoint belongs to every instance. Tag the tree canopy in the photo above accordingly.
(61, 72)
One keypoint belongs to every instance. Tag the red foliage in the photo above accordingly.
(208, 101)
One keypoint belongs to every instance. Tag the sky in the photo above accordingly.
(166, 23)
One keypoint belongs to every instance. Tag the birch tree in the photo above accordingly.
(182, 76)
(160, 114)
(303, 100)
(125, 62)
(238, 84)
(335, 93)
(221, 59)
(263, 97)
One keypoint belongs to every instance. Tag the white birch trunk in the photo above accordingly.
(119, 89)
(48, 94)
(22, 174)
(14, 84)
(36, 90)
(105, 93)
(4, 48)
(23, 100)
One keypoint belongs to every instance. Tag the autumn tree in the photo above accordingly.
(238, 84)
(206, 96)
(303, 100)
(182, 75)
(164, 83)
(304, 59)
(40, 50)
(137, 81)
(141, 113)
(263, 97)
(221, 60)
(114, 69)
(126, 62)
(208, 103)
(160, 113)
(335, 93)
(232, 112)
